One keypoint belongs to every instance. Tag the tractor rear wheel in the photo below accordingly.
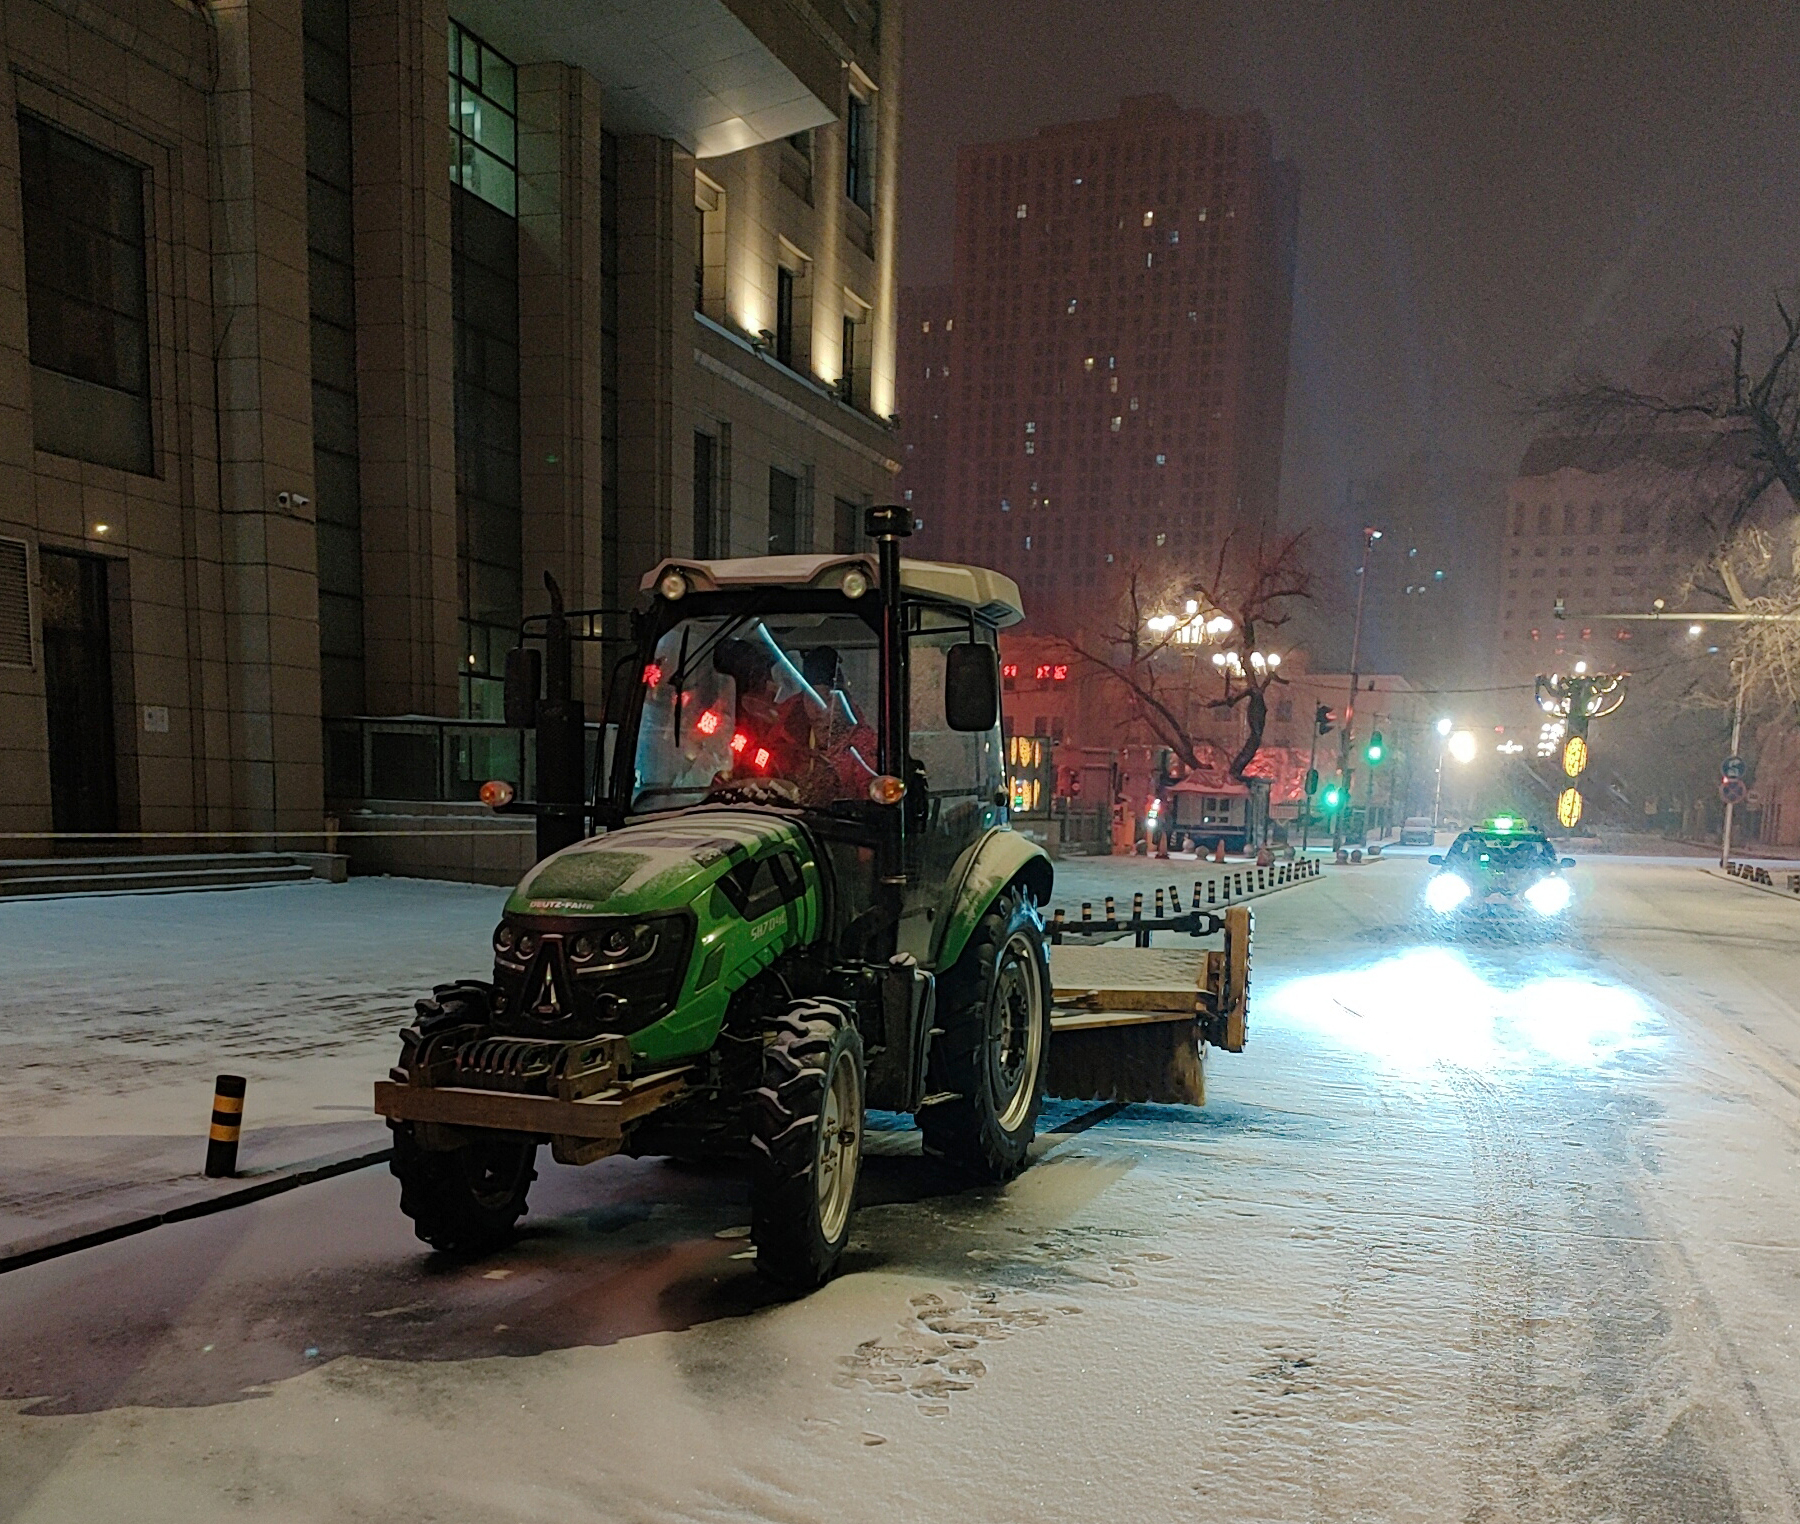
(990, 1059)
(806, 1139)
(464, 1200)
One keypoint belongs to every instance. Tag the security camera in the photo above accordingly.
(282, 499)
(291, 500)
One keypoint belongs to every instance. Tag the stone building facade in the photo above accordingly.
(301, 393)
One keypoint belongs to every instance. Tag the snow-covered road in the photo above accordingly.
(1476, 1230)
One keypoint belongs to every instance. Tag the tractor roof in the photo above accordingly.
(988, 593)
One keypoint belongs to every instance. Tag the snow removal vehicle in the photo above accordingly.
(791, 895)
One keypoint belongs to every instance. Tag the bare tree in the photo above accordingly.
(1153, 652)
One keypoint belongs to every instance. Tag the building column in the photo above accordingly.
(405, 354)
(656, 283)
(560, 374)
(268, 547)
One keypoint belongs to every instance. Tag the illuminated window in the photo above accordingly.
(1020, 214)
(483, 121)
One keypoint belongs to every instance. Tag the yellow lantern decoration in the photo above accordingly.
(1575, 757)
(1568, 806)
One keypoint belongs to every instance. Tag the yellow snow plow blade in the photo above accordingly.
(1131, 1023)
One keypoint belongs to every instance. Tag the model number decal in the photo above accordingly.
(766, 925)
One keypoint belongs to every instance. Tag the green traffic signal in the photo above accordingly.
(1374, 751)
(1334, 796)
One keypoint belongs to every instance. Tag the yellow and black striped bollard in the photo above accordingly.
(227, 1122)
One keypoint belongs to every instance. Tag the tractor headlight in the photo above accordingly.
(1445, 892)
(1549, 895)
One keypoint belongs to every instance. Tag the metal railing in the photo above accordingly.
(421, 759)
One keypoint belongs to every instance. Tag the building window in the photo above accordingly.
(484, 299)
(337, 487)
(484, 155)
(709, 249)
(706, 495)
(847, 525)
(784, 315)
(784, 512)
(859, 145)
(86, 299)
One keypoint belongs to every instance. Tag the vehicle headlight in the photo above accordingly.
(1549, 895)
(1445, 892)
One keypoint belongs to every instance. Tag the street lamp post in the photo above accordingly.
(1370, 536)
(1443, 727)
(1737, 731)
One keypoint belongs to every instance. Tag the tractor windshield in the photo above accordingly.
(776, 708)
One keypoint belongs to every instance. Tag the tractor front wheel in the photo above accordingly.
(988, 1063)
(806, 1138)
(467, 1200)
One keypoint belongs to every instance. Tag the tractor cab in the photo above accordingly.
(765, 683)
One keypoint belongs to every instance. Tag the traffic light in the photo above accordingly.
(1312, 781)
(1334, 796)
(1374, 751)
(1322, 718)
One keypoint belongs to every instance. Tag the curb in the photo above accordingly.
(35, 1251)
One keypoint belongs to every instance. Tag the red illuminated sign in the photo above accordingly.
(1009, 669)
(739, 742)
(652, 675)
(1052, 673)
(708, 723)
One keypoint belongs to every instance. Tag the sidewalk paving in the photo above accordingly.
(117, 1013)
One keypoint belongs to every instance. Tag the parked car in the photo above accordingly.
(1418, 832)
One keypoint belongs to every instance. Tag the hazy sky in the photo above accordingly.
(1491, 192)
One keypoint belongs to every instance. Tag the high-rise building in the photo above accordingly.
(1118, 367)
(927, 330)
(1593, 527)
(335, 326)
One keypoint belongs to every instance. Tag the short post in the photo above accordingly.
(227, 1121)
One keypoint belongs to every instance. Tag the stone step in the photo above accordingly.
(146, 875)
(52, 867)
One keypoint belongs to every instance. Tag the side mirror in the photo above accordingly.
(1568, 862)
(1436, 859)
(524, 681)
(972, 687)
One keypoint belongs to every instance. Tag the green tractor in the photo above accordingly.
(792, 895)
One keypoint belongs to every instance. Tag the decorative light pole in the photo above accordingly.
(1578, 698)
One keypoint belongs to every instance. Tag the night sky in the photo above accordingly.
(1492, 194)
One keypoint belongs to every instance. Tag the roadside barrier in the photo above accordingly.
(1755, 873)
(1209, 893)
(227, 1122)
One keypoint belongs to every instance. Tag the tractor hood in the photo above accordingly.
(658, 865)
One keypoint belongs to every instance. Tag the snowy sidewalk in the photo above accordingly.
(117, 1013)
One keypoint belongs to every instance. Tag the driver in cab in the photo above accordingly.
(811, 741)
